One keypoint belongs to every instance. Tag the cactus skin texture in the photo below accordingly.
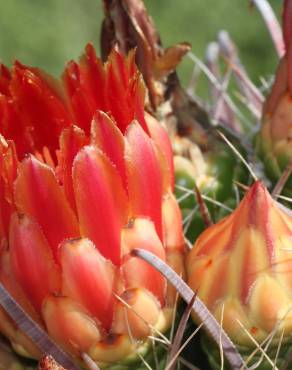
(79, 189)
(241, 268)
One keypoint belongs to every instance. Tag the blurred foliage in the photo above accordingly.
(49, 33)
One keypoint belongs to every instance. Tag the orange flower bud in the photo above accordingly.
(242, 268)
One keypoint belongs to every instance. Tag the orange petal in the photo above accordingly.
(144, 176)
(69, 324)
(141, 233)
(107, 137)
(38, 194)
(172, 223)
(137, 273)
(71, 141)
(88, 278)
(31, 260)
(101, 201)
(138, 319)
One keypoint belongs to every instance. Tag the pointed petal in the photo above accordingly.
(69, 324)
(71, 141)
(5, 78)
(8, 165)
(8, 169)
(101, 201)
(93, 76)
(32, 261)
(6, 210)
(81, 104)
(173, 236)
(8, 279)
(84, 267)
(161, 139)
(124, 90)
(108, 138)
(144, 176)
(39, 102)
(13, 126)
(46, 203)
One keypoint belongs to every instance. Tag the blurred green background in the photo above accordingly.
(48, 33)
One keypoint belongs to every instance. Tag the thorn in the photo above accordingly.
(231, 146)
(272, 24)
(203, 208)
(240, 185)
(89, 362)
(282, 180)
(175, 347)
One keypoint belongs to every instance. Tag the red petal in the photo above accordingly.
(8, 169)
(81, 103)
(40, 105)
(5, 78)
(107, 137)
(161, 139)
(38, 194)
(13, 126)
(101, 201)
(32, 260)
(124, 90)
(7, 278)
(88, 278)
(6, 210)
(92, 72)
(71, 141)
(9, 166)
(144, 176)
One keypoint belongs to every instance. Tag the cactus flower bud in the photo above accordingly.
(242, 269)
(275, 139)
